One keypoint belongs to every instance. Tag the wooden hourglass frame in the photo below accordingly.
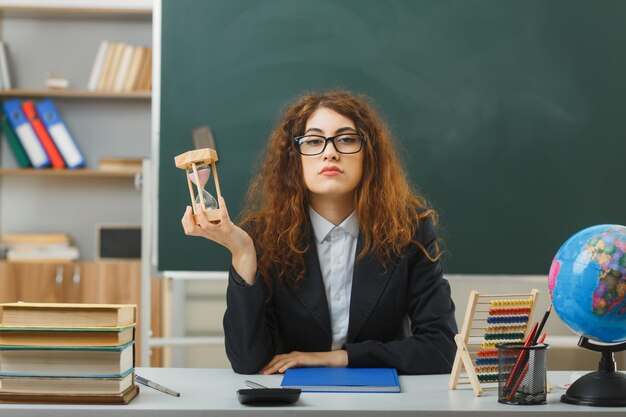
(194, 160)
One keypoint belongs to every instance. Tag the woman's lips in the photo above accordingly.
(330, 171)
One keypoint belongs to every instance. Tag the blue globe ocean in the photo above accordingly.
(587, 282)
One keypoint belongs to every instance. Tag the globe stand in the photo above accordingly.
(604, 388)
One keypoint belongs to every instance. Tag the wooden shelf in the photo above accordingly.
(78, 8)
(139, 95)
(48, 172)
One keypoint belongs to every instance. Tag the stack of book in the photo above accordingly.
(71, 353)
(121, 68)
(38, 136)
(39, 247)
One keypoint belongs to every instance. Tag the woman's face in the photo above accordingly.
(331, 174)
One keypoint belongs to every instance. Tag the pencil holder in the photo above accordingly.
(522, 374)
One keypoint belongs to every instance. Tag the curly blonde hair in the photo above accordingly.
(276, 214)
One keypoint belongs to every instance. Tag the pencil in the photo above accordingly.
(523, 374)
(521, 361)
(543, 323)
(521, 365)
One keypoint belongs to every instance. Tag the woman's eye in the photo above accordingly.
(346, 139)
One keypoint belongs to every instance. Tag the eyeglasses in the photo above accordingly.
(346, 143)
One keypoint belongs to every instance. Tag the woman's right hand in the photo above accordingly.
(227, 234)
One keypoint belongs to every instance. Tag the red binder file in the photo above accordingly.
(48, 144)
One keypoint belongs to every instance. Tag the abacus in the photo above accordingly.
(489, 320)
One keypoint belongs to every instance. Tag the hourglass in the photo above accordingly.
(198, 165)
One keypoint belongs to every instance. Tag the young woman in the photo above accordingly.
(336, 263)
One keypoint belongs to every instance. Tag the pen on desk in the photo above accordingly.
(156, 386)
(253, 384)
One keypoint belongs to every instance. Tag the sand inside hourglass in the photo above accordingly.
(203, 175)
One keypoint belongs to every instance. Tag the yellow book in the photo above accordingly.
(145, 57)
(111, 74)
(123, 69)
(57, 315)
(106, 66)
(144, 81)
(135, 66)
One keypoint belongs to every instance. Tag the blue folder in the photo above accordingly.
(61, 136)
(342, 379)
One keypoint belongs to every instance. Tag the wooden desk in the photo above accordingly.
(211, 392)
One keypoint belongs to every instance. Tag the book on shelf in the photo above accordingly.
(67, 361)
(24, 131)
(66, 336)
(14, 143)
(118, 50)
(35, 238)
(106, 66)
(65, 315)
(43, 253)
(61, 136)
(123, 69)
(98, 64)
(38, 247)
(142, 68)
(46, 141)
(146, 76)
(123, 397)
(120, 164)
(342, 379)
(47, 385)
(135, 66)
(5, 78)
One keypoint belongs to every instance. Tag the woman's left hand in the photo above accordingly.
(280, 363)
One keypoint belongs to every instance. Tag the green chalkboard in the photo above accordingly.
(510, 115)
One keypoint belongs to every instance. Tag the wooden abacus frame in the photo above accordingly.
(479, 310)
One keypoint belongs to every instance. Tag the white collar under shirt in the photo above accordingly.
(336, 251)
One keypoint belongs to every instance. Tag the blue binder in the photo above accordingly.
(60, 134)
(26, 134)
(342, 379)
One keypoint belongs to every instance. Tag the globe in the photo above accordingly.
(587, 283)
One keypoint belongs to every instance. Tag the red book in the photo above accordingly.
(53, 153)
